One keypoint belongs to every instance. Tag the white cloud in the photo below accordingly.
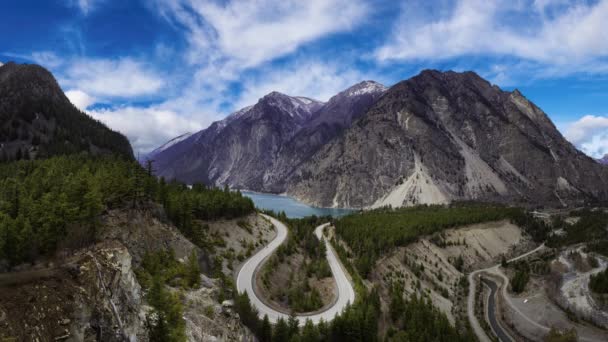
(589, 134)
(224, 42)
(85, 6)
(147, 128)
(80, 99)
(304, 78)
(226, 39)
(551, 32)
(121, 78)
(260, 30)
(47, 59)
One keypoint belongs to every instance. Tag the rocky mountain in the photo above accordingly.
(257, 147)
(328, 122)
(445, 136)
(38, 120)
(152, 155)
(435, 138)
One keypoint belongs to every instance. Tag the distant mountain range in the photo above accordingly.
(259, 147)
(603, 160)
(37, 119)
(435, 138)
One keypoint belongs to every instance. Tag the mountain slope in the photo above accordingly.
(37, 119)
(259, 146)
(325, 124)
(152, 155)
(439, 137)
(239, 149)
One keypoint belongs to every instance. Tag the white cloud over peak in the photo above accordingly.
(80, 99)
(147, 127)
(589, 134)
(550, 31)
(47, 59)
(224, 42)
(121, 78)
(312, 79)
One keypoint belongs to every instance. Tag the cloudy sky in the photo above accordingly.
(154, 69)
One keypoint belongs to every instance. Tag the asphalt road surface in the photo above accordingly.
(498, 330)
(481, 334)
(246, 279)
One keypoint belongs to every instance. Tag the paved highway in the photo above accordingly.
(481, 334)
(246, 279)
(502, 335)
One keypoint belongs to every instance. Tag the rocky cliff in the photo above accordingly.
(440, 137)
(259, 146)
(435, 138)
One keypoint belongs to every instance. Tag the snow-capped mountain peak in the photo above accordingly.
(365, 87)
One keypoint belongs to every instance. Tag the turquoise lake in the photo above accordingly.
(291, 207)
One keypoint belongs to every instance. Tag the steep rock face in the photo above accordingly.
(258, 147)
(325, 124)
(152, 155)
(94, 296)
(439, 137)
(38, 120)
(239, 149)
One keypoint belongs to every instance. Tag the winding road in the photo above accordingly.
(245, 281)
(481, 334)
(502, 335)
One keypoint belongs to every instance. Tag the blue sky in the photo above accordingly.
(154, 69)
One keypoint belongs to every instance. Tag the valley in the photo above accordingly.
(454, 243)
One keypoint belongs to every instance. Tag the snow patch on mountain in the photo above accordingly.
(366, 87)
(171, 143)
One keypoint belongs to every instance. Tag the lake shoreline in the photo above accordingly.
(291, 206)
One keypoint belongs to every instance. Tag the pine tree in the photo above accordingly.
(293, 324)
(193, 271)
(309, 332)
(265, 333)
(281, 331)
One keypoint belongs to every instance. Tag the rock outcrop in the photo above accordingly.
(440, 137)
(435, 138)
(259, 146)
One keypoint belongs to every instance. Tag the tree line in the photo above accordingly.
(58, 202)
(371, 234)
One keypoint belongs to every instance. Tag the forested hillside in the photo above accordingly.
(37, 120)
(371, 234)
(293, 274)
(57, 202)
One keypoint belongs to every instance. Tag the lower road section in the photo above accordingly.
(245, 281)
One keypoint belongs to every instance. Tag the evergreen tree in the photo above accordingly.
(265, 330)
(309, 332)
(281, 331)
(194, 271)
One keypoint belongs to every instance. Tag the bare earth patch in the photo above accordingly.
(430, 264)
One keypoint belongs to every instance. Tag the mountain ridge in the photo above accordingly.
(37, 119)
(437, 137)
(488, 137)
